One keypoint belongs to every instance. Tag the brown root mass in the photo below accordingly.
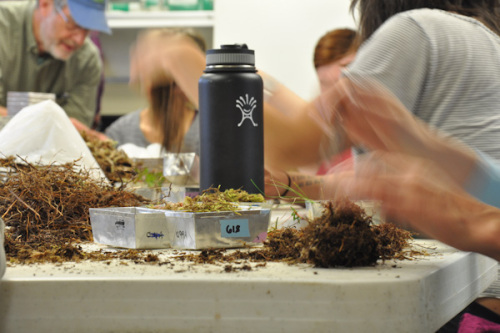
(47, 209)
(342, 236)
(391, 241)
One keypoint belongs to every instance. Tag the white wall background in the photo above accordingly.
(283, 34)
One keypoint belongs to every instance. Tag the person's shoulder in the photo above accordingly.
(425, 16)
(126, 120)
(13, 6)
(124, 127)
(414, 23)
(86, 59)
(132, 116)
(12, 12)
(437, 22)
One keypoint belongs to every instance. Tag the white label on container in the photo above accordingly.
(234, 228)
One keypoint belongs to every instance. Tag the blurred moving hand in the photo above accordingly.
(420, 193)
(416, 173)
(159, 58)
(373, 118)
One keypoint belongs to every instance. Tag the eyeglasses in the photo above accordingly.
(71, 25)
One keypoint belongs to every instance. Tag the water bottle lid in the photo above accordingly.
(232, 54)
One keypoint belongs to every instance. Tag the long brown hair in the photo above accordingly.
(169, 104)
(334, 45)
(373, 13)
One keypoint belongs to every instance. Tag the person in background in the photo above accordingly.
(170, 117)
(333, 52)
(44, 48)
(96, 124)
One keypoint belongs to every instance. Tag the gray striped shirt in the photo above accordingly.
(445, 68)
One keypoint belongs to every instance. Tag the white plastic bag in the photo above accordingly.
(154, 150)
(43, 134)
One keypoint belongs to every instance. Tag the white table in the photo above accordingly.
(403, 296)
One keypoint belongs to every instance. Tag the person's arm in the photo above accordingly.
(157, 60)
(80, 127)
(374, 118)
(280, 97)
(293, 185)
(484, 181)
(418, 192)
(290, 142)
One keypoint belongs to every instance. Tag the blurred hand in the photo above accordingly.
(275, 183)
(417, 192)
(160, 57)
(3, 111)
(374, 118)
(145, 63)
(80, 127)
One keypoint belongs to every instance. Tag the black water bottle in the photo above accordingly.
(231, 121)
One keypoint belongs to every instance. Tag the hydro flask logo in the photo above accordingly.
(246, 107)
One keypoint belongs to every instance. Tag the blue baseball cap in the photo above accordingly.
(90, 14)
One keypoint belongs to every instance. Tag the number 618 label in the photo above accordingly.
(234, 228)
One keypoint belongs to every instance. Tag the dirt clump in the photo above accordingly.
(342, 236)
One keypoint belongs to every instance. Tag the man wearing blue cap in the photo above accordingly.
(44, 48)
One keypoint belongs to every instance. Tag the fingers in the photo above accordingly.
(376, 119)
(78, 125)
(410, 190)
(275, 183)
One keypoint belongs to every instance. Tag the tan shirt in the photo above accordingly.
(75, 81)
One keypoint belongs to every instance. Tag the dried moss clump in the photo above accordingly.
(213, 200)
(231, 195)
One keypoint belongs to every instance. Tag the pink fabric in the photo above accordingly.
(474, 324)
(337, 159)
